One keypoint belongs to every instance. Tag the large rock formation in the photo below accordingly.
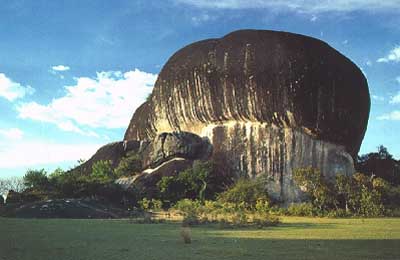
(269, 101)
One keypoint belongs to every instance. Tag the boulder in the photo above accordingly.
(176, 144)
(148, 179)
(269, 101)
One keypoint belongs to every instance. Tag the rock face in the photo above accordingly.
(270, 101)
(149, 178)
(167, 155)
(113, 152)
(167, 146)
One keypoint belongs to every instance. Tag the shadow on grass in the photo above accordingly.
(267, 248)
(306, 225)
(280, 227)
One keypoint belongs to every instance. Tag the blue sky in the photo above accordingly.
(73, 72)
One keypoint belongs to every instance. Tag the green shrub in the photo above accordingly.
(102, 172)
(368, 194)
(350, 195)
(239, 218)
(129, 165)
(36, 179)
(302, 209)
(262, 205)
(370, 203)
(191, 183)
(312, 182)
(190, 210)
(247, 193)
(226, 215)
(338, 213)
(149, 205)
(265, 220)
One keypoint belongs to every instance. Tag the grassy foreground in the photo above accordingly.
(296, 238)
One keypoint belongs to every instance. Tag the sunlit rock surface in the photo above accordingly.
(271, 101)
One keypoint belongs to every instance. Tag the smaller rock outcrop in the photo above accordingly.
(112, 152)
(148, 179)
(167, 155)
(65, 208)
(175, 145)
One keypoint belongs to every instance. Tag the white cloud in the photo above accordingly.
(12, 133)
(393, 56)
(107, 101)
(33, 153)
(394, 115)
(309, 6)
(368, 63)
(12, 90)
(378, 98)
(60, 68)
(314, 18)
(345, 42)
(395, 99)
(203, 18)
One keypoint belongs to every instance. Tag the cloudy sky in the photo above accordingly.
(73, 72)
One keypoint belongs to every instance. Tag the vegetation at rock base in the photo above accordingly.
(380, 164)
(226, 214)
(36, 179)
(130, 164)
(356, 195)
(249, 193)
(201, 181)
(203, 194)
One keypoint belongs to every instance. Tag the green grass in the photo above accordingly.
(296, 238)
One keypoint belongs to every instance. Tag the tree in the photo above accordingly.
(312, 183)
(12, 183)
(129, 165)
(381, 164)
(245, 191)
(345, 190)
(192, 183)
(369, 195)
(102, 172)
(4, 188)
(36, 179)
(363, 195)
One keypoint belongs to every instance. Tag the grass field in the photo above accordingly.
(296, 238)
